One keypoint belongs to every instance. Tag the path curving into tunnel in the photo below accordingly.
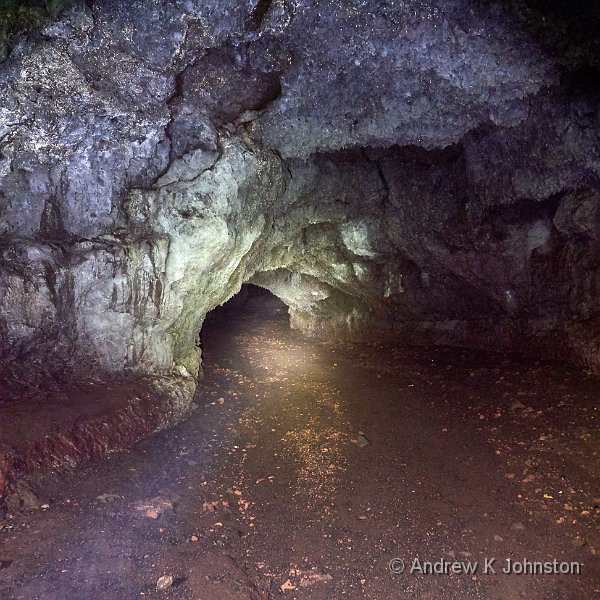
(306, 467)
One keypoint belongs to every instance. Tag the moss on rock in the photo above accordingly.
(18, 16)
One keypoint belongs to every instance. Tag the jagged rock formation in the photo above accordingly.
(427, 170)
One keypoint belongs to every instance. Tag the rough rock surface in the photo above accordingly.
(427, 169)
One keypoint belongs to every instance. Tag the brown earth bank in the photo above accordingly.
(306, 467)
(56, 428)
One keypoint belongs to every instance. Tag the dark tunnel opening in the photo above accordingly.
(250, 306)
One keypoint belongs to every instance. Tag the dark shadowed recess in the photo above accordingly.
(19, 16)
(222, 323)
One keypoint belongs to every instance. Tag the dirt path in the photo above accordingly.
(264, 491)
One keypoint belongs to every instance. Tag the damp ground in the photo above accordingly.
(306, 468)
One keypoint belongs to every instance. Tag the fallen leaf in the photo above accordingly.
(106, 498)
(164, 582)
(288, 585)
(315, 578)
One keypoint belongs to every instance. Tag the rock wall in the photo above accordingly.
(430, 171)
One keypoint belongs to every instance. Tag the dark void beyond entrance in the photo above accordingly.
(251, 305)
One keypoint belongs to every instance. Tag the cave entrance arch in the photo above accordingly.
(251, 305)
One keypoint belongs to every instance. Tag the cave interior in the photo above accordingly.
(281, 280)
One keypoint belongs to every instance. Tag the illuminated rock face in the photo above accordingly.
(428, 171)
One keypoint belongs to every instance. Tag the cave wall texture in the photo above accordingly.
(428, 170)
